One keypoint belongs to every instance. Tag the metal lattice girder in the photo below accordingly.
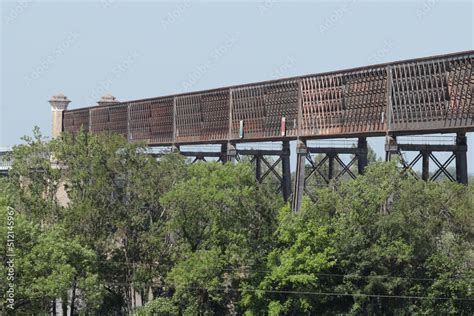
(278, 168)
(258, 159)
(261, 107)
(345, 167)
(407, 167)
(330, 158)
(75, 119)
(271, 168)
(151, 121)
(442, 168)
(420, 96)
(425, 153)
(110, 118)
(215, 115)
(433, 94)
(317, 168)
(344, 103)
(202, 117)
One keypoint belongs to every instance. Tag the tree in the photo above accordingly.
(35, 179)
(390, 232)
(381, 244)
(304, 248)
(58, 267)
(114, 189)
(207, 238)
(46, 265)
(221, 223)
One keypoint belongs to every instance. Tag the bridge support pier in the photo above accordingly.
(331, 156)
(301, 153)
(425, 167)
(426, 153)
(231, 152)
(175, 148)
(224, 157)
(461, 158)
(362, 152)
(391, 147)
(286, 171)
(259, 158)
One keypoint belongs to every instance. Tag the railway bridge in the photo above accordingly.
(411, 97)
(5, 164)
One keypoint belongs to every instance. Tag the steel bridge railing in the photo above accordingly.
(420, 96)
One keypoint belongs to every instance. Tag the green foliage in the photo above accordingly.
(207, 239)
(27, 236)
(221, 223)
(47, 265)
(391, 226)
(396, 245)
(114, 190)
(35, 179)
(304, 248)
(55, 264)
(159, 306)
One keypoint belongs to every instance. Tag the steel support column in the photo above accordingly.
(425, 172)
(224, 157)
(461, 158)
(286, 171)
(258, 168)
(175, 148)
(301, 152)
(391, 147)
(331, 157)
(362, 154)
(231, 153)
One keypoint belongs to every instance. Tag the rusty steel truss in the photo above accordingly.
(428, 95)
(418, 96)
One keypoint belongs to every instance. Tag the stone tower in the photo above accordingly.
(107, 99)
(58, 104)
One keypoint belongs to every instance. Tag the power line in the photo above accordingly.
(229, 289)
(315, 273)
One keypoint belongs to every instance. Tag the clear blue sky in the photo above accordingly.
(132, 50)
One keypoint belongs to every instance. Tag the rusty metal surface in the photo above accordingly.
(261, 108)
(151, 121)
(112, 118)
(435, 94)
(75, 119)
(202, 117)
(346, 103)
(426, 95)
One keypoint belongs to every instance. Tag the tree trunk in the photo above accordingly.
(73, 295)
(64, 304)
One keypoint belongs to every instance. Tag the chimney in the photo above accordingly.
(58, 104)
(107, 99)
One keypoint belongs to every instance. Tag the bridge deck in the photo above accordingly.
(419, 96)
(5, 165)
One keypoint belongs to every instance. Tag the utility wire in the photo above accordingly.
(244, 270)
(229, 289)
